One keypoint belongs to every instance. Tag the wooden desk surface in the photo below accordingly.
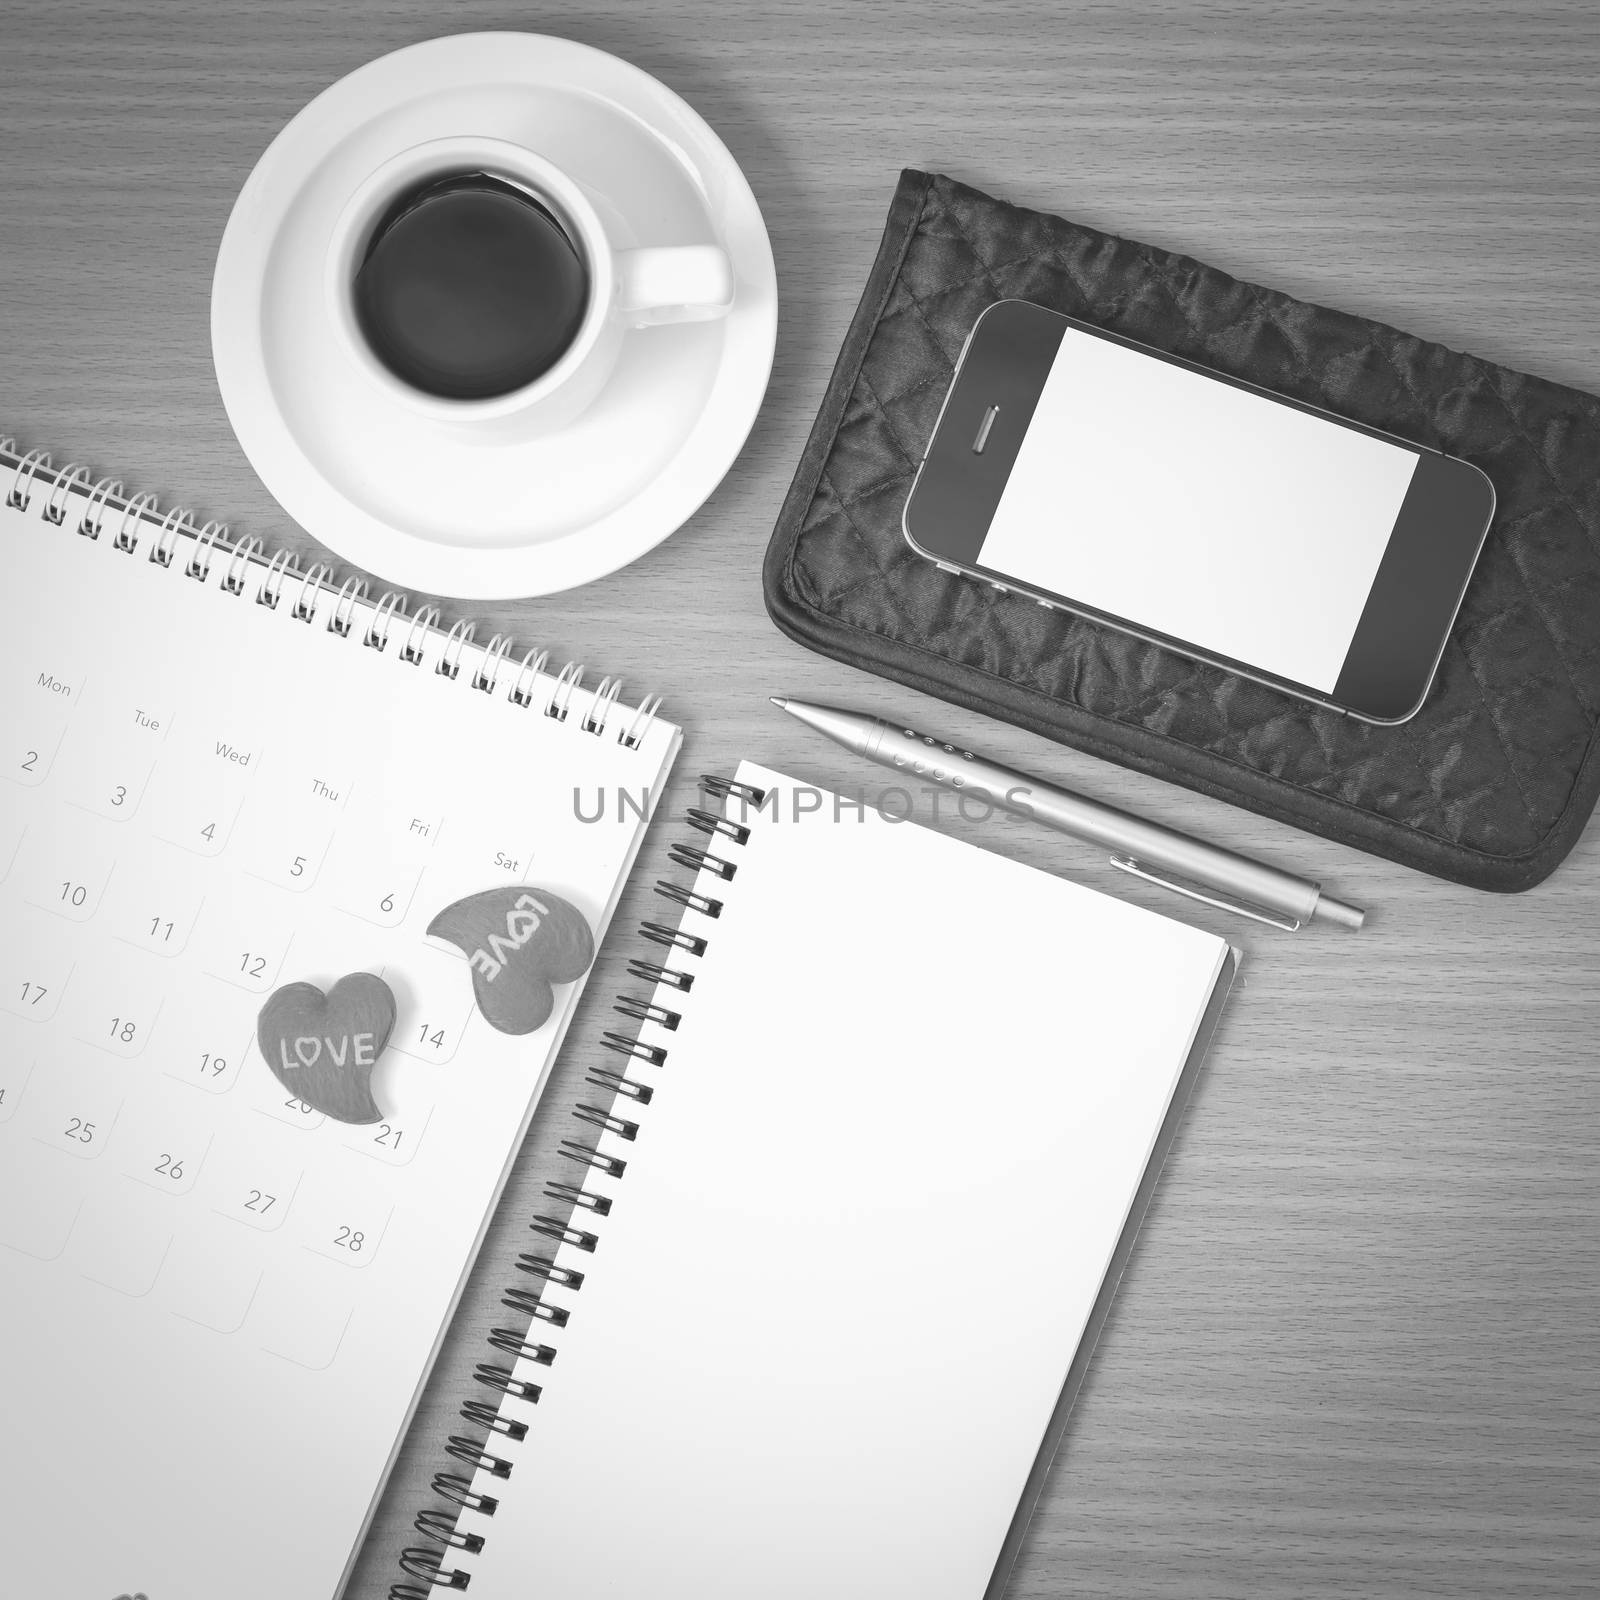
(1356, 1353)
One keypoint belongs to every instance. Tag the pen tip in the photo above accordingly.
(779, 701)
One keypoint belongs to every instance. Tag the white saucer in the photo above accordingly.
(423, 503)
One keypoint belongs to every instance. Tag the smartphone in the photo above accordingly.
(1211, 516)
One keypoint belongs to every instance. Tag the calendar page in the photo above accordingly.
(217, 1305)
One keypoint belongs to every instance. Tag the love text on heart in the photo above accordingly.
(357, 1047)
(522, 922)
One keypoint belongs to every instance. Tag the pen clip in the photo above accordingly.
(1129, 865)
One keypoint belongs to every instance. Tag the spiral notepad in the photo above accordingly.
(847, 1229)
(222, 774)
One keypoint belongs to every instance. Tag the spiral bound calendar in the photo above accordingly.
(814, 1320)
(222, 774)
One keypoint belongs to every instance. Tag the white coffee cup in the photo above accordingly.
(631, 288)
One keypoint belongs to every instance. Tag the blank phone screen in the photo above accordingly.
(1191, 508)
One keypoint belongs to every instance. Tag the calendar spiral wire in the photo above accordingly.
(98, 509)
(438, 1564)
(132, 525)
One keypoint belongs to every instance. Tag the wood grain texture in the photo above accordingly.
(1356, 1352)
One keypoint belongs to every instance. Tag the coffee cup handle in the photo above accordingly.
(681, 283)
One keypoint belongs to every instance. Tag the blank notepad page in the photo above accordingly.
(865, 1217)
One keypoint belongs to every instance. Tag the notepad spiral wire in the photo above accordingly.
(94, 507)
(449, 1539)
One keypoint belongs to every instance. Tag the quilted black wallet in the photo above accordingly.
(1490, 784)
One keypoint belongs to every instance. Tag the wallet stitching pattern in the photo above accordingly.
(1590, 531)
(1419, 805)
(1239, 766)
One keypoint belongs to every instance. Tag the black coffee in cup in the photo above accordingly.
(470, 287)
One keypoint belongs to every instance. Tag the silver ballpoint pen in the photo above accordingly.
(1201, 871)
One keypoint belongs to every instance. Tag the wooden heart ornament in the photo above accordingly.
(322, 1047)
(518, 940)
